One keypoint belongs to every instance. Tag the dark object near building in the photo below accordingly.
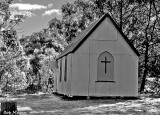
(9, 108)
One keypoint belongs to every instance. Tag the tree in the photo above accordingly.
(151, 34)
(10, 49)
(42, 47)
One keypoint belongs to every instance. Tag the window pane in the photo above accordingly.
(65, 72)
(105, 67)
(60, 78)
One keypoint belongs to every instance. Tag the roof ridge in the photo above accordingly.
(87, 32)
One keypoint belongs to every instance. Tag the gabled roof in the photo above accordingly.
(79, 40)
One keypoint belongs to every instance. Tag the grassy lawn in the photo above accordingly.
(47, 104)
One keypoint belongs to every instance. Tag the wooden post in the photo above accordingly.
(9, 108)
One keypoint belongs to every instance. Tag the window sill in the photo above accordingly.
(106, 81)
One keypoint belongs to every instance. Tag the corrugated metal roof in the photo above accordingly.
(79, 40)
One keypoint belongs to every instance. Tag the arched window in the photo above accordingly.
(105, 67)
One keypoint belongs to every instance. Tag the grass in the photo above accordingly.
(47, 104)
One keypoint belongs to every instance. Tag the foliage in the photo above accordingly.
(10, 48)
(42, 48)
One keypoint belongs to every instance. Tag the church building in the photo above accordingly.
(100, 61)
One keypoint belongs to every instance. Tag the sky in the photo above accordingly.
(39, 13)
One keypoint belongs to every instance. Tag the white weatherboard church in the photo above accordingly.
(99, 62)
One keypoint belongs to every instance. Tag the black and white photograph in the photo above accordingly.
(79, 57)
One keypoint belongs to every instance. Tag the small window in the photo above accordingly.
(65, 71)
(60, 73)
(105, 67)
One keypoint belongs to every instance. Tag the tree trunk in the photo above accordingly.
(146, 54)
(145, 70)
(39, 81)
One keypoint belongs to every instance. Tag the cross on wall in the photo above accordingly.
(105, 62)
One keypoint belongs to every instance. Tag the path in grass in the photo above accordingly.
(46, 104)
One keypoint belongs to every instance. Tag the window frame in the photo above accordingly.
(65, 70)
(112, 77)
(60, 72)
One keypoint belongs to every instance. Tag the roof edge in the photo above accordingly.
(124, 36)
(94, 28)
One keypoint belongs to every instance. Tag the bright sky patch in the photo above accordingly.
(22, 6)
(50, 12)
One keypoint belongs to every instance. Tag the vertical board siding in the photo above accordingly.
(80, 74)
(117, 72)
(118, 48)
(123, 77)
(105, 46)
(93, 58)
(63, 76)
(93, 47)
(69, 75)
(129, 74)
(106, 31)
(133, 80)
(58, 77)
(74, 79)
(83, 74)
(93, 74)
(103, 89)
